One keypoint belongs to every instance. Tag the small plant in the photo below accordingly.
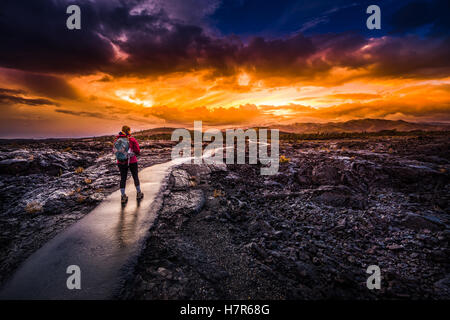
(80, 198)
(283, 159)
(88, 181)
(193, 181)
(33, 207)
(79, 170)
(218, 193)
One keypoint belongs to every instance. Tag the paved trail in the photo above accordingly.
(105, 245)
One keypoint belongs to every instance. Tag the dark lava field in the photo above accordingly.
(335, 207)
(309, 232)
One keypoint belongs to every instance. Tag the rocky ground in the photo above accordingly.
(48, 185)
(309, 232)
(225, 231)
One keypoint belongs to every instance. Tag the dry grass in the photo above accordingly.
(33, 207)
(218, 193)
(79, 170)
(283, 159)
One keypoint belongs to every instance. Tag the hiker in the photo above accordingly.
(126, 148)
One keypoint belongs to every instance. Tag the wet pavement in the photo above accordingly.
(104, 244)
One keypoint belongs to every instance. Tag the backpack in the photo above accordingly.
(121, 147)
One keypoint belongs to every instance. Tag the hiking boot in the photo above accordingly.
(139, 195)
(124, 198)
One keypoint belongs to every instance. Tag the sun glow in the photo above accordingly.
(130, 96)
(244, 79)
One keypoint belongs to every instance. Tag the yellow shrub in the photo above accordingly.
(79, 170)
(283, 159)
(218, 193)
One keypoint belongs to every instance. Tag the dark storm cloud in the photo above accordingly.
(410, 56)
(84, 114)
(36, 39)
(11, 96)
(11, 91)
(419, 14)
(157, 45)
(279, 55)
(169, 47)
(52, 86)
(49, 86)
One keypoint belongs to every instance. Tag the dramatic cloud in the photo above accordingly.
(4, 98)
(49, 86)
(83, 113)
(419, 14)
(155, 37)
(187, 11)
(214, 117)
(11, 91)
(224, 62)
(12, 96)
(34, 37)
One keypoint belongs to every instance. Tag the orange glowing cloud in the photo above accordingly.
(146, 82)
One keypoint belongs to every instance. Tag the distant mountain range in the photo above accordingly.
(154, 131)
(363, 125)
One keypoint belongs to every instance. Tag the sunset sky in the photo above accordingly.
(154, 63)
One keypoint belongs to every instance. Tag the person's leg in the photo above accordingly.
(134, 173)
(123, 168)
